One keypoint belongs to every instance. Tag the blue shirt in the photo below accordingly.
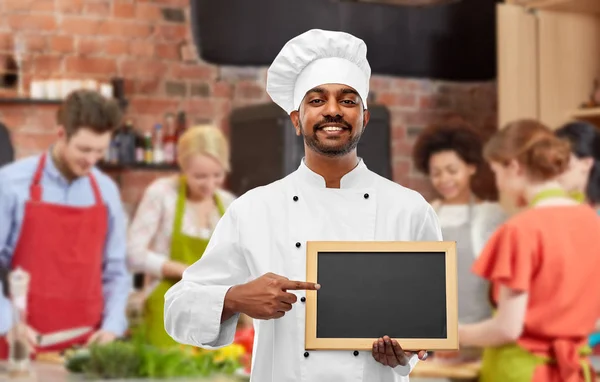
(15, 179)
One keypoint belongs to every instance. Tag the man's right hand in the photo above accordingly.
(264, 298)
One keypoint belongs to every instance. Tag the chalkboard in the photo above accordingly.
(405, 290)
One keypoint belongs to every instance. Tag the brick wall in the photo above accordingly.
(149, 45)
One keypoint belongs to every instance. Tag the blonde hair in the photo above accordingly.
(206, 140)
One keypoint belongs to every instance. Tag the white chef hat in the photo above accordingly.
(314, 58)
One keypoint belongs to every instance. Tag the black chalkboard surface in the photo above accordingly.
(405, 290)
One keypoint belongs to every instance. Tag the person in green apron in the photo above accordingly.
(174, 221)
(184, 249)
(538, 263)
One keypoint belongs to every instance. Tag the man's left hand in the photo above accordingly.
(389, 353)
(101, 337)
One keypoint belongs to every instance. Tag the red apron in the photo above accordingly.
(62, 249)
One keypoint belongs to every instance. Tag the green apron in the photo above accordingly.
(512, 363)
(184, 249)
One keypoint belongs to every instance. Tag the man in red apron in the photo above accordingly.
(63, 223)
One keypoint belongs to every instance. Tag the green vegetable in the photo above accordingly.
(136, 359)
(76, 360)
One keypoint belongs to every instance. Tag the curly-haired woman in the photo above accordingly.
(451, 155)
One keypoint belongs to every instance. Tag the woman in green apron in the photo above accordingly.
(174, 221)
(538, 264)
(582, 178)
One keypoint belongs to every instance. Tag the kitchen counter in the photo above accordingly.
(52, 372)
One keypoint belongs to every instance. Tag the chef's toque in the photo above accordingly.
(314, 58)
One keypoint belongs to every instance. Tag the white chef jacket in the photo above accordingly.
(258, 234)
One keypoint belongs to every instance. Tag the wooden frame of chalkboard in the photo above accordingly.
(354, 310)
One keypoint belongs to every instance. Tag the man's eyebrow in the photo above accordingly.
(316, 90)
(349, 91)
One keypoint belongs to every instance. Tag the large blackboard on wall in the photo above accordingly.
(372, 289)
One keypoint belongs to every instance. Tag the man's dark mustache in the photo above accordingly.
(326, 120)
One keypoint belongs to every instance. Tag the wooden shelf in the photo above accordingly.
(138, 166)
(42, 101)
(31, 101)
(582, 6)
(592, 114)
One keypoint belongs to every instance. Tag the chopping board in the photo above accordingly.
(50, 357)
(433, 369)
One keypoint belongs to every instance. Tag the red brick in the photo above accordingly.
(76, 25)
(147, 12)
(194, 72)
(403, 148)
(33, 141)
(140, 105)
(125, 29)
(397, 99)
(142, 68)
(27, 6)
(170, 3)
(397, 133)
(115, 47)
(222, 89)
(81, 65)
(61, 44)
(252, 90)
(124, 10)
(152, 85)
(90, 46)
(188, 53)
(34, 22)
(13, 119)
(401, 168)
(97, 9)
(44, 64)
(168, 51)
(404, 85)
(201, 107)
(141, 48)
(379, 84)
(172, 32)
(6, 41)
(35, 43)
(69, 6)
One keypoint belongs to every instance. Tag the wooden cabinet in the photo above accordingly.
(548, 59)
(561, 5)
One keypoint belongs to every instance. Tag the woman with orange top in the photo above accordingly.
(541, 265)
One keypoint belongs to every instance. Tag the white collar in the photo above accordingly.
(354, 179)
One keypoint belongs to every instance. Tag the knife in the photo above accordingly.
(53, 338)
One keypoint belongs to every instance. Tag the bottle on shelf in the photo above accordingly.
(169, 139)
(148, 149)
(126, 144)
(157, 143)
(180, 127)
(140, 150)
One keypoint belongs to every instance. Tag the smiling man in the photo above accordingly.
(255, 262)
(62, 221)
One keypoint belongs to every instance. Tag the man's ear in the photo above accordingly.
(366, 118)
(295, 117)
(61, 133)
